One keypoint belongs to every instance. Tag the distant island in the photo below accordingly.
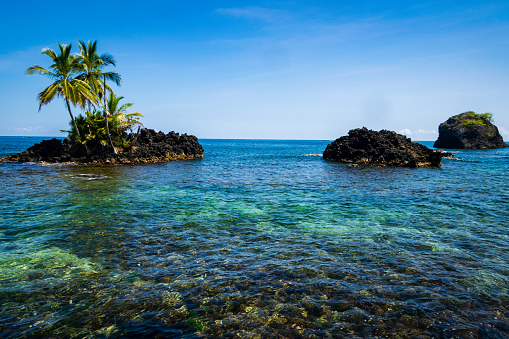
(469, 130)
(104, 133)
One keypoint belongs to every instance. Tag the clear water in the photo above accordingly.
(257, 240)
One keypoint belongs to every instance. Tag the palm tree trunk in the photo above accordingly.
(106, 117)
(76, 126)
(108, 130)
(72, 117)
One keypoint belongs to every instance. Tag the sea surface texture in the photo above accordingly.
(261, 239)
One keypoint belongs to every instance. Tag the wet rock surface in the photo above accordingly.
(384, 148)
(457, 133)
(147, 146)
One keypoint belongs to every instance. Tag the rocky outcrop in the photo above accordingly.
(146, 147)
(384, 148)
(469, 131)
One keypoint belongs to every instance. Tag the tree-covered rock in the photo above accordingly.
(147, 146)
(384, 148)
(469, 131)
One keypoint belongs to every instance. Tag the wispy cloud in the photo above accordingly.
(407, 131)
(29, 129)
(15, 60)
(421, 131)
(503, 131)
(11, 61)
(255, 13)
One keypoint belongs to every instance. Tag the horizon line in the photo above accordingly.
(260, 139)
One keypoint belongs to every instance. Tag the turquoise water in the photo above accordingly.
(259, 239)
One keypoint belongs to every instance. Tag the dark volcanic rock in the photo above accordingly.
(146, 147)
(384, 148)
(468, 131)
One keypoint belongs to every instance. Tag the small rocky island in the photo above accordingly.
(147, 146)
(469, 130)
(384, 148)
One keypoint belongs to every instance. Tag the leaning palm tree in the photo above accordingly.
(63, 71)
(92, 73)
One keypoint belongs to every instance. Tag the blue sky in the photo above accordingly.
(270, 69)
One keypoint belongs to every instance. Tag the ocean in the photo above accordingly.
(260, 239)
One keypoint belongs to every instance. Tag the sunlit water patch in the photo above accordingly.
(256, 240)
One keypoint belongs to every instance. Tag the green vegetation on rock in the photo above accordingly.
(473, 119)
(469, 130)
(93, 124)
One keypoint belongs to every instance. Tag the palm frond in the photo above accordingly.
(49, 52)
(48, 94)
(68, 92)
(133, 114)
(84, 89)
(108, 59)
(65, 50)
(113, 76)
(36, 69)
(124, 107)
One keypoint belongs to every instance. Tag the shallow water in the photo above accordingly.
(259, 239)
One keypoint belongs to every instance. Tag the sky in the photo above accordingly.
(269, 69)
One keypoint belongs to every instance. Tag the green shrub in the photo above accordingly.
(487, 117)
(473, 119)
(92, 126)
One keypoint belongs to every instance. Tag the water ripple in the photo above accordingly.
(249, 243)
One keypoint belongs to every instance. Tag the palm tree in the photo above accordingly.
(63, 71)
(93, 124)
(92, 65)
(121, 120)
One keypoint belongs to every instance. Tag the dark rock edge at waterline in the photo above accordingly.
(384, 148)
(148, 146)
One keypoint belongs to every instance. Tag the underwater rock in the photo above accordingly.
(384, 148)
(469, 131)
(147, 146)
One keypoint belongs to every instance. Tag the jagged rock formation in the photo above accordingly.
(146, 147)
(469, 131)
(384, 148)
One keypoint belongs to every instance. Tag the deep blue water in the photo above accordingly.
(259, 239)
